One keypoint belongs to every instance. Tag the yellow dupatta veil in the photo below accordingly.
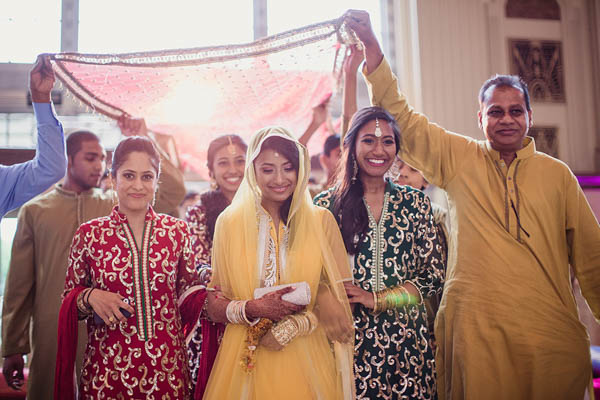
(306, 368)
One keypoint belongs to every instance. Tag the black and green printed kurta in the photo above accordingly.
(393, 358)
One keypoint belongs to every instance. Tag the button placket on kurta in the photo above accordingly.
(508, 177)
(141, 279)
(377, 257)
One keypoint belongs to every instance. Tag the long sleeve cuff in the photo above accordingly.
(18, 346)
(379, 81)
(44, 114)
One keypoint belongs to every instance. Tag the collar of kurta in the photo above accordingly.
(60, 189)
(527, 151)
(122, 218)
(388, 185)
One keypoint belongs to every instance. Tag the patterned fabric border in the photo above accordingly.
(141, 281)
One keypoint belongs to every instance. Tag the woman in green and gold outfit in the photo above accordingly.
(389, 233)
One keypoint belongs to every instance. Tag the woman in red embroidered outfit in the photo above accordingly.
(226, 160)
(138, 263)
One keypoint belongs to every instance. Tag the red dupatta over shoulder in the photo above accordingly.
(190, 308)
(64, 378)
(159, 279)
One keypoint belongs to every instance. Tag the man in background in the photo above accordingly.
(329, 159)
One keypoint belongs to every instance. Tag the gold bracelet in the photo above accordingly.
(307, 322)
(302, 323)
(394, 298)
(379, 296)
(285, 331)
(81, 306)
(375, 305)
(391, 298)
(314, 322)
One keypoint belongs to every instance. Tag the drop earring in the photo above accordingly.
(354, 170)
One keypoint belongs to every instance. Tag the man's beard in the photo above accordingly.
(83, 184)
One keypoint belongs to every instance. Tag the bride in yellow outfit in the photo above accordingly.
(298, 347)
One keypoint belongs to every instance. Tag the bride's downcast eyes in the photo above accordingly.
(288, 167)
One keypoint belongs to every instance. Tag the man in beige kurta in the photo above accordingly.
(508, 326)
(38, 265)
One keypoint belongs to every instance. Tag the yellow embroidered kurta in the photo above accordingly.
(38, 266)
(310, 249)
(305, 368)
(507, 327)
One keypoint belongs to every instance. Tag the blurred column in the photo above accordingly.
(260, 19)
(69, 29)
(402, 19)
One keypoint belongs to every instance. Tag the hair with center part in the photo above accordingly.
(132, 144)
(75, 139)
(504, 81)
(220, 142)
(348, 207)
(287, 149)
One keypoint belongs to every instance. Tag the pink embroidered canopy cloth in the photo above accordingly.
(201, 93)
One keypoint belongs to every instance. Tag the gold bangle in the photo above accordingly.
(81, 306)
(302, 323)
(313, 320)
(285, 331)
(383, 299)
(375, 302)
(391, 298)
(307, 322)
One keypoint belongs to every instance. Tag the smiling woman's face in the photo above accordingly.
(275, 176)
(375, 154)
(228, 168)
(136, 182)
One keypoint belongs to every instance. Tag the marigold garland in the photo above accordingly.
(253, 336)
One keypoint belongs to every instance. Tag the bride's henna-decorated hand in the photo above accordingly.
(271, 306)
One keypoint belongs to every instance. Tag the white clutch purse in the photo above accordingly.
(299, 296)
